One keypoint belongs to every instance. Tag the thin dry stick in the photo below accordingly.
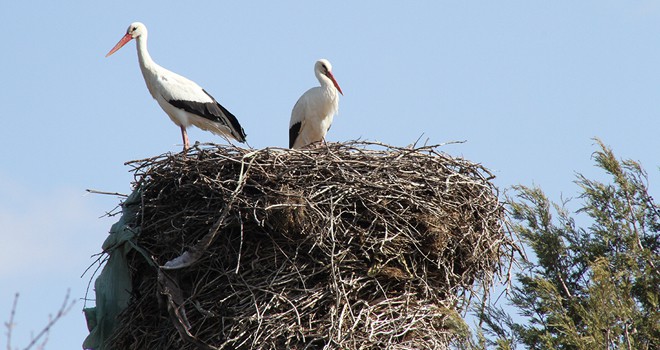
(106, 193)
(43, 334)
(63, 310)
(10, 324)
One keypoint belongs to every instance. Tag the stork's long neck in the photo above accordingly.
(330, 94)
(148, 67)
(143, 53)
(326, 84)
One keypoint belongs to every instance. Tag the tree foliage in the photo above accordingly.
(593, 285)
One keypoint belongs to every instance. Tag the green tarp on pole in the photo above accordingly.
(113, 285)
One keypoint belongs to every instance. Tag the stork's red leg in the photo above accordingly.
(184, 135)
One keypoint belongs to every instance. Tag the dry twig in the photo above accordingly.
(42, 336)
(10, 324)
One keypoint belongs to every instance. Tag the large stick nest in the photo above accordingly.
(348, 246)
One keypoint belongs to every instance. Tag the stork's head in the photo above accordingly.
(134, 31)
(323, 68)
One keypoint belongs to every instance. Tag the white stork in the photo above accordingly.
(312, 115)
(185, 102)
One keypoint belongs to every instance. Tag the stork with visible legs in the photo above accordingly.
(185, 102)
(312, 115)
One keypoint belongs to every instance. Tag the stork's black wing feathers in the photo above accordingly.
(294, 131)
(235, 125)
(213, 111)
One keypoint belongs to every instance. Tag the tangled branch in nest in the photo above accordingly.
(353, 246)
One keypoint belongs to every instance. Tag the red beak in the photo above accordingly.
(332, 77)
(121, 43)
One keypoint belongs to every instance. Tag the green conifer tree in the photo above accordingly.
(585, 287)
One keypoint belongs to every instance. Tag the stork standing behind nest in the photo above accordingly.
(312, 115)
(185, 102)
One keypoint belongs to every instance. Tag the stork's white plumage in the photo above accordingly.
(185, 102)
(312, 115)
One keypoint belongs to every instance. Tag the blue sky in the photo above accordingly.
(526, 84)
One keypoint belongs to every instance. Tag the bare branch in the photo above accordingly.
(10, 324)
(67, 305)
